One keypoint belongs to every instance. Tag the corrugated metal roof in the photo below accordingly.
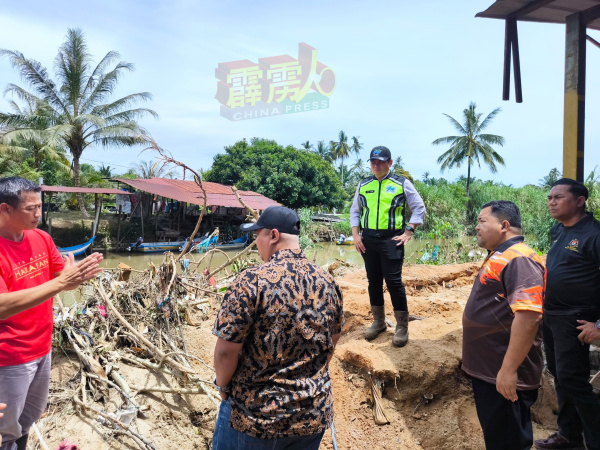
(83, 190)
(555, 11)
(189, 192)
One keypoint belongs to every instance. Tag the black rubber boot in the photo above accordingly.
(378, 326)
(401, 336)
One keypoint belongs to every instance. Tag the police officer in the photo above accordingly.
(379, 210)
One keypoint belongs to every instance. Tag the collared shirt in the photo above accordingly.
(414, 200)
(574, 269)
(511, 279)
(285, 313)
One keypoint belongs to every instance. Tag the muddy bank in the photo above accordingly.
(426, 397)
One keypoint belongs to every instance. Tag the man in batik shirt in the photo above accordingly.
(501, 332)
(277, 329)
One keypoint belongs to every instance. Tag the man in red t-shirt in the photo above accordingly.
(32, 271)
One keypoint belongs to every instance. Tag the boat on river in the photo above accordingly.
(76, 249)
(343, 240)
(211, 242)
(140, 246)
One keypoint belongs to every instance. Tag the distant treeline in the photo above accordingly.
(451, 214)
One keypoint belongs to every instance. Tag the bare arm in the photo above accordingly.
(73, 275)
(226, 361)
(335, 338)
(522, 334)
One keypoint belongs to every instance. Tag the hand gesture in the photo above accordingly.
(76, 273)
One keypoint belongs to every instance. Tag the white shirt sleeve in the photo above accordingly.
(415, 202)
(355, 210)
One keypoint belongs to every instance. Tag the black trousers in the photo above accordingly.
(569, 364)
(506, 425)
(383, 260)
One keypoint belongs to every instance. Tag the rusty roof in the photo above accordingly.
(83, 190)
(547, 11)
(189, 192)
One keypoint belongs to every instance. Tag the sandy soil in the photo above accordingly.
(426, 397)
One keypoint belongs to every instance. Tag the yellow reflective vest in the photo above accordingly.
(382, 203)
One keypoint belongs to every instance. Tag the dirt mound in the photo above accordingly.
(426, 397)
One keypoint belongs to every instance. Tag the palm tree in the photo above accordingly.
(341, 150)
(471, 144)
(307, 146)
(77, 106)
(323, 151)
(356, 146)
(552, 177)
(32, 145)
(158, 169)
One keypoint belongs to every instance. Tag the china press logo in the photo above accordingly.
(276, 85)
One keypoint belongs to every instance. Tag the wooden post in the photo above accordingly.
(574, 115)
(44, 215)
(119, 228)
(98, 206)
(142, 213)
(50, 226)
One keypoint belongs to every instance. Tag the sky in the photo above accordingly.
(399, 67)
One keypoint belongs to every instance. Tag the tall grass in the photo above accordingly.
(450, 214)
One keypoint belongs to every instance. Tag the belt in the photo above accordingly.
(367, 232)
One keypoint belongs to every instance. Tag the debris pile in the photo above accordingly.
(135, 318)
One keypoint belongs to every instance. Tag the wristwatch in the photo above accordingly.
(598, 324)
(220, 388)
(409, 228)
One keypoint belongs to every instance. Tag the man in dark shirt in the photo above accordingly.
(277, 329)
(501, 335)
(571, 314)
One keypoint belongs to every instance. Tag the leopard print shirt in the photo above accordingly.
(285, 313)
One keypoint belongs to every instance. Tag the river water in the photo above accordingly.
(326, 252)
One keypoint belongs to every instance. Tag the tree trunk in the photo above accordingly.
(468, 176)
(77, 181)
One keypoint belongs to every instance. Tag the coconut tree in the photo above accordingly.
(307, 146)
(342, 149)
(78, 105)
(356, 146)
(33, 144)
(156, 169)
(471, 144)
(323, 151)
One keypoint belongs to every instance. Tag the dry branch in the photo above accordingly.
(153, 349)
(251, 210)
(137, 438)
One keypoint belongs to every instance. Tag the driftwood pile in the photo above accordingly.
(132, 317)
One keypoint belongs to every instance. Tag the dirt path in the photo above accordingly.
(426, 397)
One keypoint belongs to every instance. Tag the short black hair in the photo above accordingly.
(577, 188)
(12, 187)
(505, 210)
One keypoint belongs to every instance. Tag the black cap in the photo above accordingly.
(381, 153)
(278, 218)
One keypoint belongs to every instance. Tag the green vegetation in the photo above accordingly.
(471, 144)
(75, 111)
(295, 178)
(451, 214)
